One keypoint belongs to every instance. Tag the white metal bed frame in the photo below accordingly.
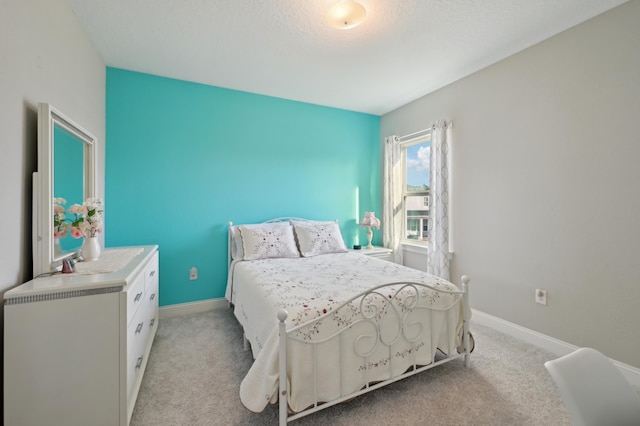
(406, 330)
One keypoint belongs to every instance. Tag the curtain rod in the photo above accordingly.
(414, 134)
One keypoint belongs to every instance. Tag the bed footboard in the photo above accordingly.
(376, 338)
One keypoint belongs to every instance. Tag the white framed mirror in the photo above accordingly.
(66, 171)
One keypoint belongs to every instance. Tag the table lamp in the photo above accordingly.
(370, 220)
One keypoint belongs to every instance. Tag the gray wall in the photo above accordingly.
(547, 183)
(45, 56)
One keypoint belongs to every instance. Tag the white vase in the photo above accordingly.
(91, 249)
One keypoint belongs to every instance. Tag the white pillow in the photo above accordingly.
(316, 238)
(268, 240)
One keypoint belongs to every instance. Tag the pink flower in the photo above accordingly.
(76, 232)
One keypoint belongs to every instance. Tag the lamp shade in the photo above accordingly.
(346, 14)
(370, 219)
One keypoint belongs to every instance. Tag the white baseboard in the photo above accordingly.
(180, 309)
(545, 342)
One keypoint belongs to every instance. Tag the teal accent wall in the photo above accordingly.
(183, 159)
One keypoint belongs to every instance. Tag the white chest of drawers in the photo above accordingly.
(76, 345)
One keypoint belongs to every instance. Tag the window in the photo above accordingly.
(416, 157)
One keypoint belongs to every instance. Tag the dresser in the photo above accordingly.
(76, 345)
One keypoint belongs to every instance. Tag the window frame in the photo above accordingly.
(404, 144)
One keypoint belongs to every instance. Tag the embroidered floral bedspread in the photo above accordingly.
(309, 288)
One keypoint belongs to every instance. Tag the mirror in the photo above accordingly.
(68, 182)
(65, 176)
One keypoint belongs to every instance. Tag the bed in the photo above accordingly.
(326, 324)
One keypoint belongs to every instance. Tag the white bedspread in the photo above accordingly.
(309, 287)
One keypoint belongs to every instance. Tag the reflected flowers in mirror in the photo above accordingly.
(60, 225)
(87, 221)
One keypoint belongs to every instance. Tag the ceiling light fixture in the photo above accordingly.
(346, 14)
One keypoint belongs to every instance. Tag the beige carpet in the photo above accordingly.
(197, 363)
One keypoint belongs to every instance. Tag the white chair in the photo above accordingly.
(594, 391)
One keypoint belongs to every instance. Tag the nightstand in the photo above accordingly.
(377, 252)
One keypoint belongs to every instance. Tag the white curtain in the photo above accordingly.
(392, 197)
(438, 228)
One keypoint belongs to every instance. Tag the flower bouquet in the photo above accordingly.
(60, 225)
(87, 221)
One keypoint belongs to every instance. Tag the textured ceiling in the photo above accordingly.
(285, 48)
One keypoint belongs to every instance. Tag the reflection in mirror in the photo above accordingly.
(65, 176)
(68, 184)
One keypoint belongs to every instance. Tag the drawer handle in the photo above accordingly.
(139, 362)
(138, 296)
(153, 296)
(153, 321)
(152, 273)
(139, 327)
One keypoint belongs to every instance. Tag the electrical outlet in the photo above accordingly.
(193, 273)
(541, 296)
